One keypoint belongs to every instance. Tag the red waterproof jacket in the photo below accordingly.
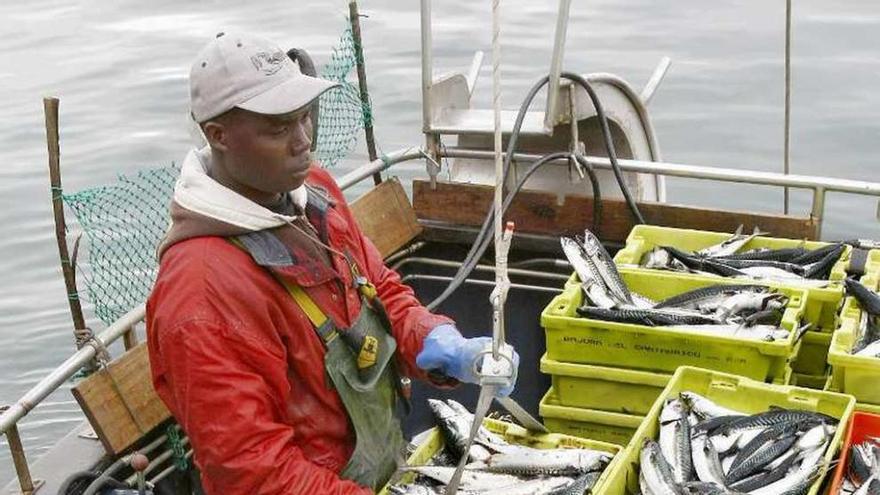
(239, 365)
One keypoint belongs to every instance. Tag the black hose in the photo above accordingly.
(609, 143)
(597, 193)
(481, 243)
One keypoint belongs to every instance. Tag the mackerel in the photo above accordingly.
(651, 317)
(588, 273)
(706, 461)
(785, 254)
(822, 268)
(761, 458)
(775, 417)
(705, 408)
(658, 477)
(868, 299)
(730, 245)
(697, 296)
(557, 462)
(815, 255)
(607, 270)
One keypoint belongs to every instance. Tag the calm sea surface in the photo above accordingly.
(120, 70)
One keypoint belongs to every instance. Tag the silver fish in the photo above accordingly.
(556, 462)
(606, 267)
(730, 245)
(591, 280)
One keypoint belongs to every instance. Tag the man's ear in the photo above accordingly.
(216, 134)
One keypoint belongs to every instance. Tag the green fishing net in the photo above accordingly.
(123, 223)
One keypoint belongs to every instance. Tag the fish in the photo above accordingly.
(455, 422)
(650, 317)
(556, 462)
(868, 300)
(591, 281)
(774, 452)
(694, 298)
(730, 245)
(656, 472)
(606, 268)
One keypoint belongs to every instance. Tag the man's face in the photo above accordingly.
(267, 153)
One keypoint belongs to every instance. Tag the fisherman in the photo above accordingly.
(278, 338)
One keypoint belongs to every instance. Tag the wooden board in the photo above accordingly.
(386, 217)
(540, 213)
(118, 426)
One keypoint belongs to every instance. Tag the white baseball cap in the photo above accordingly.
(249, 72)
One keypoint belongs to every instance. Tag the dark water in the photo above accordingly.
(120, 70)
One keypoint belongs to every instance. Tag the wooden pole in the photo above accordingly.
(354, 17)
(50, 108)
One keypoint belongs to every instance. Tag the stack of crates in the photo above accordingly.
(606, 375)
(856, 375)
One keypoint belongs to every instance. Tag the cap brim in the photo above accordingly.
(288, 96)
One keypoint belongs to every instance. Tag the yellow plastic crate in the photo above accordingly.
(574, 339)
(855, 375)
(606, 389)
(514, 434)
(823, 303)
(738, 393)
(812, 358)
(615, 428)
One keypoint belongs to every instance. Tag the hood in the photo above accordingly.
(202, 206)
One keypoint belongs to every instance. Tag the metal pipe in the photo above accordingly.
(818, 210)
(67, 369)
(19, 460)
(787, 144)
(655, 80)
(170, 469)
(120, 462)
(405, 252)
(550, 114)
(700, 172)
(384, 162)
(427, 64)
(156, 462)
(489, 283)
(483, 268)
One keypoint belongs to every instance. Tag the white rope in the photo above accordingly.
(500, 264)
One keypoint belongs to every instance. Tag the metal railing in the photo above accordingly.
(819, 186)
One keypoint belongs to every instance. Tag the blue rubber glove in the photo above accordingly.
(445, 351)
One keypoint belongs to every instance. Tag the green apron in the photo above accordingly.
(359, 361)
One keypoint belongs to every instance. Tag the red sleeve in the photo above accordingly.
(247, 449)
(411, 322)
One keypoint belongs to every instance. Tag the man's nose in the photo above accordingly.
(301, 137)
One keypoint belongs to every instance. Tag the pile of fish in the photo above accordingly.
(867, 342)
(497, 466)
(709, 449)
(790, 265)
(863, 469)
(737, 310)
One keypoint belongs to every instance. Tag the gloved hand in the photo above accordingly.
(447, 352)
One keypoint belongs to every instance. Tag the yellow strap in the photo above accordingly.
(317, 317)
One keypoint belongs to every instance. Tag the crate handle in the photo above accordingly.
(731, 384)
(811, 402)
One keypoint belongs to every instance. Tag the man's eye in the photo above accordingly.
(280, 130)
